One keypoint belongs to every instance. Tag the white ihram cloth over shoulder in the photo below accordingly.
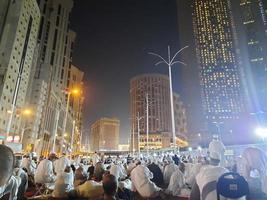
(190, 177)
(29, 165)
(117, 171)
(216, 146)
(61, 163)
(44, 172)
(11, 187)
(208, 174)
(64, 183)
(140, 177)
(177, 185)
(168, 171)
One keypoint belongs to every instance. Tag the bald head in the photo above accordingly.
(6, 164)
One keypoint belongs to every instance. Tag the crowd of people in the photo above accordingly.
(157, 176)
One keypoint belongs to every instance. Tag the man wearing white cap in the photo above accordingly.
(117, 171)
(44, 172)
(141, 179)
(61, 163)
(205, 185)
(217, 146)
(169, 169)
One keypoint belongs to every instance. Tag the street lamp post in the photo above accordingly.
(74, 91)
(147, 124)
(55, 130)
(66, 114)
(133, 138)
(170, 62)
(138, 133)
(72, 135)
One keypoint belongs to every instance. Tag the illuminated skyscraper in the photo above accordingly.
(19, 22)
(217, 59)
(251, 20)
(213, 80)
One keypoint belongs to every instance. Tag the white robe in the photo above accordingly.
(64, 183)
(117, 171)
(29, 165)
(140, 177)
(60, 164)
(191, 173)
(177, 185)
(218, 147)
(11, 187)
(254, 158)
(44, 172)
(168, 171)
(208, 174)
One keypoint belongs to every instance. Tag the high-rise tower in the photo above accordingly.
(214, 60)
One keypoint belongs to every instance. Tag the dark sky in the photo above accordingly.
(113, 38)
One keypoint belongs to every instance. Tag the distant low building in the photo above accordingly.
(123, 147)
(105, 134)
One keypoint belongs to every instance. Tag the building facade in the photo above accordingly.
(180, 116)
(56, 42)
(217, 58)
(19, 22)
(104, 134)
(75, 80)
(155, 89)
(251, 19)
(216, 68)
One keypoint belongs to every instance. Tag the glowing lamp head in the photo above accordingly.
(75, 91)
(262, 132)
(27, 112)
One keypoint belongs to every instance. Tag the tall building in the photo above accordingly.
(156, 88)
(105, 134)
(216, 54)
(56, 42)
(190, 73)
(251, 21)
(19, 23)
(215, 58)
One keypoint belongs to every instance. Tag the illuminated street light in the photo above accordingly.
(27, 112)
(170, 62)
(262, 132)
(76, 92)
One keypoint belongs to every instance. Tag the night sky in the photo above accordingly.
(113, 38)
